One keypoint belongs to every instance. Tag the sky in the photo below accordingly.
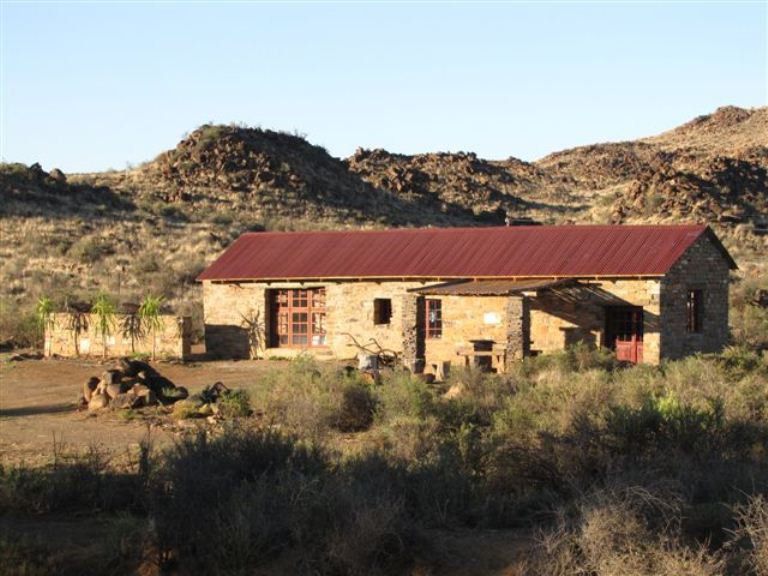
(91, 86)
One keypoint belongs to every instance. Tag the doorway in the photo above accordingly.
(624, 332)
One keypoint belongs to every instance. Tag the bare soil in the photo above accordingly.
(38, 411)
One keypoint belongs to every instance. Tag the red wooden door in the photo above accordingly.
(624, 332)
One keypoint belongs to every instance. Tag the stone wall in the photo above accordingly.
(226, 307)
(561, 317)
(702, 267)
(556, 318)
(172, 340)
(518, 325)
(466, 318)
(350, 310)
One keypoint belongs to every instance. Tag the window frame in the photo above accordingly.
(694, 311)
(382, 307)
(433, 329)
(298, 317)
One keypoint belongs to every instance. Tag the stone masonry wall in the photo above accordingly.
(702, 267)
(518, 325)
(349, 306)
(224, 308)
(556, 318)
(467, 318)
(172, 340)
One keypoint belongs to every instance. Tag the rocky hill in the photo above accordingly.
(153, 228)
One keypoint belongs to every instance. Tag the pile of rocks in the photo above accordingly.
(130, 384)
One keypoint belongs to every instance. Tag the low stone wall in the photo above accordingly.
(171, 340)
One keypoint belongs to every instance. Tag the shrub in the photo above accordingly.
(751, 533)
(405, 396)
(90, 249)
(663, 423)
(18, 325)
(185, 409)
(356, 410)
(621, 531)
(234, 404)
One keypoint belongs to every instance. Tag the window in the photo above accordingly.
(434, 318)
(382, 311)
(694, 310)
(298, 317)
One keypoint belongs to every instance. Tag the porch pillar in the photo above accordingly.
(518, 328)
(410, 328)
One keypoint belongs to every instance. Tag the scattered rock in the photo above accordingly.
(57, 176)
(89, 387)
(114, 390)
(125, 401)
(98, 401)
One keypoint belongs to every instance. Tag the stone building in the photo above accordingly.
(460, 296)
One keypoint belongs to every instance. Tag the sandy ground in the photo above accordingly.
(38, 410)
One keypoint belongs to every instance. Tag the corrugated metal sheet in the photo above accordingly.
(488, 287)
(505, 252)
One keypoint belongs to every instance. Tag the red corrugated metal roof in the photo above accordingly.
(505, 252)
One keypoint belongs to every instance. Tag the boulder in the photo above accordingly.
(125, 401)
(145, 395)
(89, 387)
(57, 175)
(114, 390)
(136, 368)
(149, 399)
(112, 376)
(98, 401)
(157, 383)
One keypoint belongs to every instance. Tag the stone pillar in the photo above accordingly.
(184, 347)
(410, 327)
(518, 328)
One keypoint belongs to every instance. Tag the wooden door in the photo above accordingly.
(624, 332)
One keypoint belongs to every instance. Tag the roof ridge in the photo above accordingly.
(443, 229)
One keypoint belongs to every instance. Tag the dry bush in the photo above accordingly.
(752, 533)
(621, 531)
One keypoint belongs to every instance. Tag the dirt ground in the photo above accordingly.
(38, 407)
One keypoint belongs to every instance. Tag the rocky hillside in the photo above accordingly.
(713, 169)
(153, 228)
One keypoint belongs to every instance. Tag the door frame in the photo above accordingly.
(624, 332)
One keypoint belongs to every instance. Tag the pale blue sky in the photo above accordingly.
(89, 86)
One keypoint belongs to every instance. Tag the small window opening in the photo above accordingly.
(694, 310)
(434, 318)
(382, 311)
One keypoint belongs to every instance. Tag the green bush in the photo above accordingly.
(355, 413)
(234, 404)
(18, 325)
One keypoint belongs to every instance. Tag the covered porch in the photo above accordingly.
(491, 324)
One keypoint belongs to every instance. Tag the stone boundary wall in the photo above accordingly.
(172, 340)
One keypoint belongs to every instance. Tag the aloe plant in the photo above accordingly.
(78, 321)
(131, 325)
(104, 308)
(150, 315)
(44, 316)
